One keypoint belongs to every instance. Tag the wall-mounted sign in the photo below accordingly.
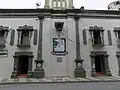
(3, 53)
(59, 45)
(59, 59)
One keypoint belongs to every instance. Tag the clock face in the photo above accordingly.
(38, 65)
(79, 64)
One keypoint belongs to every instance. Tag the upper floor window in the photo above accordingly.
(59, 3)
(63, 3)
(24, 36)
(117, 34)
(3, 35)
(97, 36)
(54, 3)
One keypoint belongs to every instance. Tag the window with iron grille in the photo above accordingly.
(97, 36)
(117, 34)
(3, 35)
(24, 36)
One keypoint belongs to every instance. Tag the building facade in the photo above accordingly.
(38, 43)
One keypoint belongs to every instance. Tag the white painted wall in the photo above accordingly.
(66, 68)
(69, 30)
(52, 67)
(6, 64)
(46, 47)
(71, 46)
(107, 24)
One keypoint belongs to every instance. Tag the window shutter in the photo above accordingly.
(84, 37)
(35, 37)
(109, 37)
(12, 37)
(102, 37)
(19, 33)
(6, 33)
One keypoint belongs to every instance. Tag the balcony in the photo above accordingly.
(97, 42)
(2, 42)
(25, 42)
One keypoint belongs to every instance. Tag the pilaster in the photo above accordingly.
(39, 71)
(79, 70)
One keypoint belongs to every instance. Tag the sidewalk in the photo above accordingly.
(60, 80)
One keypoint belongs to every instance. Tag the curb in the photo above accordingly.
(59, 82)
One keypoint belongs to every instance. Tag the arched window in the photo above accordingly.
(59, 3)
(54, 3)
(63, 3)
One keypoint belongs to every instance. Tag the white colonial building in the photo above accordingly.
(59, 40)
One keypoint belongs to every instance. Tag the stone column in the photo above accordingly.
(79, 71)
(71, 4)
(107, 70)
(15, 68)
(47, 4)
(39, 71)
(93, 71)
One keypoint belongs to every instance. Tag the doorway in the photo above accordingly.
(23, 65)
(99, 65)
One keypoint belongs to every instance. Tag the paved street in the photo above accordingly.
(63, 86)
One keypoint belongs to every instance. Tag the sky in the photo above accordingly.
(88, 4)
